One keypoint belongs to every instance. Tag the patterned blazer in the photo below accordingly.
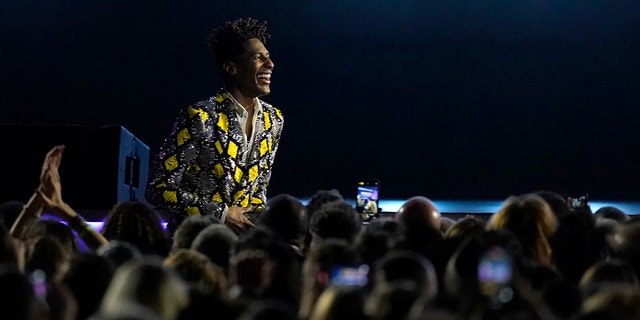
(205, 165)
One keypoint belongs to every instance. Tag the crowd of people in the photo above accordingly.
(534, 258)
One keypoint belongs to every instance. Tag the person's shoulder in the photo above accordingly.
(209, 105)
(269, 108)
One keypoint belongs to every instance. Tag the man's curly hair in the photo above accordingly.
(227, 40)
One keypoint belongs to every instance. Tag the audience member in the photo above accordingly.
(34, 207)
(466, 226)
(318, 199)
(605, 273)
(198, 271)
(119, 251)
(287, 217)
(318, 267)
(19, 299)
(189, 228)
(624, 244)
(336, 219)
(611, 212)
(217, 242)
(401, 277)
(251, 272)
(46, 264)
(147, 287)
(88, 277)
(556, 202)
(486, 279)
(576, 245)
(419, 209)
(390, 301)
(138, 224)
(48, 256)
(35, 230)
(405, 265)
(263, 266)
(379, 237)
(321, 197)
(11, 249)
(48, 196)
(616, 302)
(532, 221)
(207, 284)
(421, 221)
(339, 303)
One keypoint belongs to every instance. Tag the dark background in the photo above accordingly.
(447, 99)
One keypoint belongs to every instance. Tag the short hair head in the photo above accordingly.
(287, 216)
(335, 219)
(419, 209)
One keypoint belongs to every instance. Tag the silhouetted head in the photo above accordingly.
(88, 279)
(624, 244)
(611, 212)
(335, 219)
(216, 241)
(316, 201)
(419, 209)
(605, 273)
(321, 197)
(146, 283)
(18, 298)
(405, 265)
(119, 251)
(137, 223)
(467, 226)
(189, 229)
(556, 201)
(287, 217)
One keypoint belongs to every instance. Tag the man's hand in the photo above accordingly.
(237, 221)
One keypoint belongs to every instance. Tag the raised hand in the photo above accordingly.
(50, 166)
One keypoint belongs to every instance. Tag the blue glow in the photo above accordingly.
(491, 206)
(460, 207)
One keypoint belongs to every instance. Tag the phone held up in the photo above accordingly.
(495, 273)
(350, 275)
(578, 201)
(367, 198)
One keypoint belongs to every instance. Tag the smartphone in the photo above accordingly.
(368, 196)
(495, 267)
(349, 275)
(39, 282)
(578, 201)
(495, 272)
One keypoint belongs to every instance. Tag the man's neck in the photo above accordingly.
(247, 103)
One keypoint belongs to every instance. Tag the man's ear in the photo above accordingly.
(230, 68)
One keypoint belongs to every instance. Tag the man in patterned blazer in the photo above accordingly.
(218, 157)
